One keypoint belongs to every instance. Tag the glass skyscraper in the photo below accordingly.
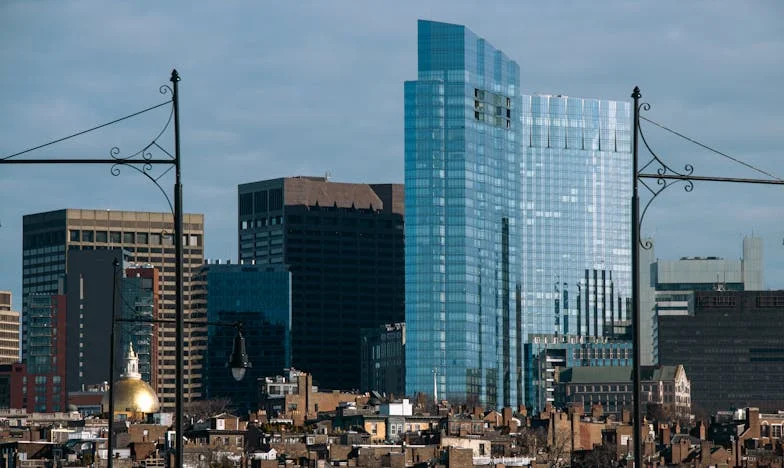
(576, 184)
(258, 296)
(517, 219)
(463, 184)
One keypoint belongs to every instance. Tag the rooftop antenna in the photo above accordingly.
(327, 175)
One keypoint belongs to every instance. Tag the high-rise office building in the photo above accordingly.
(90, 285)
(462, 175)
(45, 379)
(730, 345)
(9, 330)
(576, 182)
(139, 299)
(258, 296)
(518, 218)
(384, 359)
(49, 237)
(668, 286)
(343, 244)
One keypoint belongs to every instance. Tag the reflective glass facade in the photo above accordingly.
(576, 251)
(518, 212)
(259, 296)
(463, 182)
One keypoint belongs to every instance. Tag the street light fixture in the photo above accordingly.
(238, 361)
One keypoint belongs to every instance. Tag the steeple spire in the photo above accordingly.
(131, 364)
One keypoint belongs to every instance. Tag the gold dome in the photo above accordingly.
(132, 395)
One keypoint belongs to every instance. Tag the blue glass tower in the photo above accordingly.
(576, 209)
(463, 118)
(259, 296)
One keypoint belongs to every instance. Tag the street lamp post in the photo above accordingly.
(178, 241)
(110, 438)
(665, 177)
(142, 161)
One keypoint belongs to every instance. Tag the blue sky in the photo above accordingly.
(273, 89)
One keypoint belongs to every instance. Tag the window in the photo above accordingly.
(87, 236)
(115, 237)
(128, 238)
(775, 431)
(142, 238)
(101, 236)
(74, 235)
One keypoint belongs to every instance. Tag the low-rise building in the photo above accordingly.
(546, 355)
(611, 387)
(295, 399)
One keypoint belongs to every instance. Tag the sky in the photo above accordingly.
(274, 89)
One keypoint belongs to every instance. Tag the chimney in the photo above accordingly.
(507, 416)
(705, 450)
(597, 411)
(626, 416)
(666, 435)
(752, 422)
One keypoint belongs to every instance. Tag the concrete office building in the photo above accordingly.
(730, 345)
(516, 207)
(9, 330)
(49, 237)
(668, 286)
(343, 244)
(258, 296)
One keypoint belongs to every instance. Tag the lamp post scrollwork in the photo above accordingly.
(143, 162)
(665, 177)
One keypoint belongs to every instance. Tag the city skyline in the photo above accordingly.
(244, 101)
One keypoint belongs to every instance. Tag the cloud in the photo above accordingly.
(284, 88)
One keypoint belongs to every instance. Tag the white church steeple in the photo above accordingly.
(131, 364)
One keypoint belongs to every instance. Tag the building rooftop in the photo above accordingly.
(621, 374)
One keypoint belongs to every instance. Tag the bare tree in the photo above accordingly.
(534, 443)
(203, 409)
(601, 456)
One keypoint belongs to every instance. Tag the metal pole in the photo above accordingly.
(110, 442)
(178, 283)
(636, 286)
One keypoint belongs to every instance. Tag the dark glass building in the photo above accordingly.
(384, 359)
(343, 244)
(259, 296)
(45, 354)
(731, 347)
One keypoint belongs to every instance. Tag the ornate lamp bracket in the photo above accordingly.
(664, 175)
(141, 160)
